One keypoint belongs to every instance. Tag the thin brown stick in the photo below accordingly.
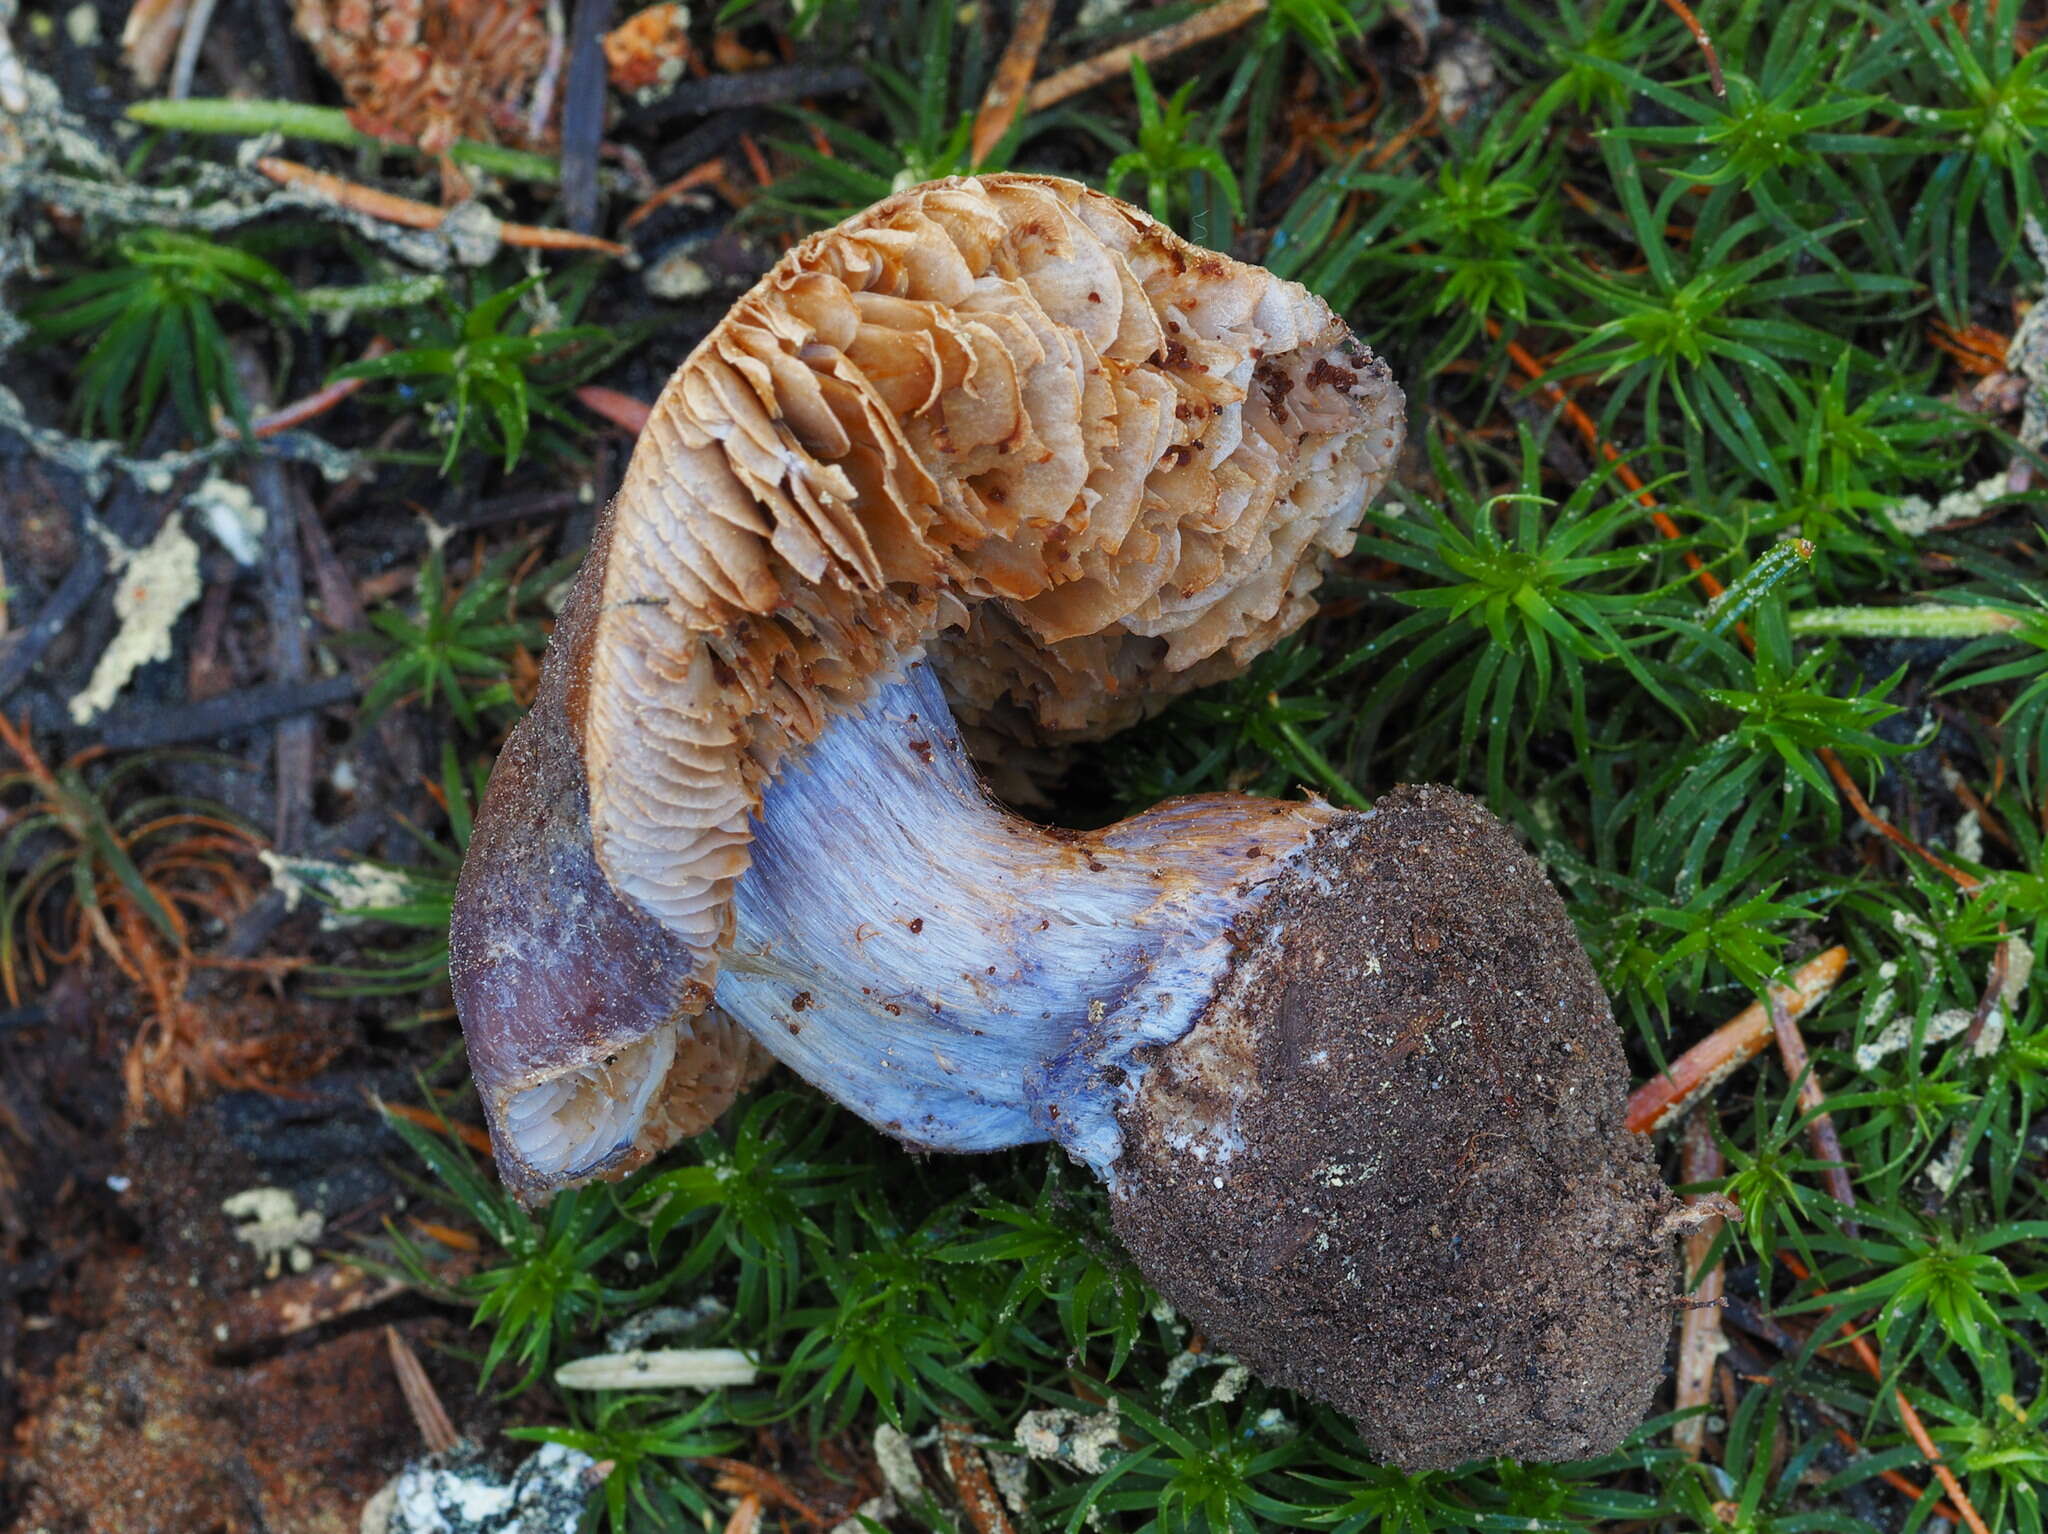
(1708, 1063)
(393, 209)
(1700, 1341)
(746, 1517)
(1012, 79)
(1866, 1355)
(1813, 1103)
(468, 1134)
(1116, 63)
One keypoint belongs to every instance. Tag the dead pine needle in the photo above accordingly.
(1115, 64)
(1707, 1064)
(1866, 1355)
(1012, 79)
(393, 209)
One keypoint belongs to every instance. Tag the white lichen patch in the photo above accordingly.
(1915, 516)
(678, 276)
(895, 1458)
(1012, 1475)
(1907, 925)
(231, 514)
(1946, 1170)
(350, 891)
(270, 1221)
(1088, 1441)
(1899, 1033)
(1346, 1174)
(153, 585)
(465, 1495)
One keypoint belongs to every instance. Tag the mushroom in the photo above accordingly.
(1003, 456)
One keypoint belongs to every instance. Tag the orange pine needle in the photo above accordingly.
(1866, 1355)
(468, 1134)
(393, 209)
(1684, 13)
(710, 174)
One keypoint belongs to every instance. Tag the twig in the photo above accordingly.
(1813, 1104)
(1700, 1341)
(142, 726)
(622, 410)
(1008, 86)
(1708, 1063)
(759, 1484)
(1866, 1355)
(280, 495)
(1893, 1479)
(318, 403)
(1582, 423)
(394, 209)
(969, 1472)
(18, 656)
(583, 107)
(746, 1518)
(754, 88)
(1116, 63)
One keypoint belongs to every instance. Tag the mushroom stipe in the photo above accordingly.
(999, 464)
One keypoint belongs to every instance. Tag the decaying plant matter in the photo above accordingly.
(1013, 439)
(129, 881)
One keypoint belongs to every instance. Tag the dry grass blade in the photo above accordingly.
(1820, 1127)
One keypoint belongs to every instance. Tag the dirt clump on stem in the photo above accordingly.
(1402, 1125)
